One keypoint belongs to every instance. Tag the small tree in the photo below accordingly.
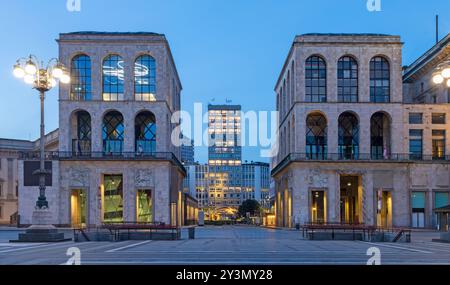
(249, 206)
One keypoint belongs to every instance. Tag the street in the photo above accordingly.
(235, 245)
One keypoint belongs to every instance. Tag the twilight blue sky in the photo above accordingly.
(222, 48)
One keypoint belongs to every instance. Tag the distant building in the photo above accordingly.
(11, 151)
(187, 150)
(224, 183)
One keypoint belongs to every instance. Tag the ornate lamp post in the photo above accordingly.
(42, 78)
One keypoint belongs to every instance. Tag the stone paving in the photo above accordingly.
(228, 245)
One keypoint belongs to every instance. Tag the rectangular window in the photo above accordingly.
(1, 212)
(415, 144)
(438, 118)
(144, 209)
(1, 190)
(415, 118)
(418, 209)
(441, 199)
(113, 199)
(438, 144)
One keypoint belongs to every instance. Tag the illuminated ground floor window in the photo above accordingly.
(144, 207)
(113, 199)
(78, 208)
(318, 207)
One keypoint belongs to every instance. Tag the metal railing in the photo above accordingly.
(361, 157)
(70, 155)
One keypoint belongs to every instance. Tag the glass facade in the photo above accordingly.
(113, 199)
(145, 131)
(347, 79)
(438, 118)
(145, 78)
(315, 79)
(415, 144)
(415, 118)
(438, 144)
(144, 206)
(379, 80)
(316, 137)
(113, 133)
(113, 78)
(80, 82)
(82, 144)
(379, 136)
(348, 136)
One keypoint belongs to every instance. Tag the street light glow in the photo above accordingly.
(446, 72)
(65, 79)
(30, 68)
(18, 71)
(438, 79)
(29, 79)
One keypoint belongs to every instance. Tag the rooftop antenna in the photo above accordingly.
(437, 29)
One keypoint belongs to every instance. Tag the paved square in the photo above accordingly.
(232, 245)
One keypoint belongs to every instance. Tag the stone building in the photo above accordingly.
(11, 151)
(115, 160)
(362, 140)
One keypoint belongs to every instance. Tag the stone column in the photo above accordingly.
(364, 135)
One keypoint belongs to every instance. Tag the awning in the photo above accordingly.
(445, 209)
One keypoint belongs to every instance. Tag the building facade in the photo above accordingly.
(11, 151)
(362, 140)
(115, 160)
(187, 150)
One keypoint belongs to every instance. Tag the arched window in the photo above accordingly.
(316, 136)
(113, 77)
(145, 78)
(315, 79)
(80, 81)
(348, 136)
(379, 80)
(113, 133)
(380, 136)
(81, 136)
(145, 133)
(347, 79)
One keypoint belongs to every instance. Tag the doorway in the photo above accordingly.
(78, 208)
(318, 207)
(384, 209)
(350, 199)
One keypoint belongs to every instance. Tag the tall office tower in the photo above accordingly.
(224, 155)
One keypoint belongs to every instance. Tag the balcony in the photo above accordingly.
(81, 147)
(101, 156)
(367, 157)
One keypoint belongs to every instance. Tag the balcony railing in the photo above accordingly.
(81, 147)
(367, 157)
(112, 147)
(92, 156)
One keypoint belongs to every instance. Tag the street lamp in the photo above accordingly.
(42, 79)
(442, 74)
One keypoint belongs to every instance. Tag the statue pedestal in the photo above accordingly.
(42, 230)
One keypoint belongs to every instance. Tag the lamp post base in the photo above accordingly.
(42, 230)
